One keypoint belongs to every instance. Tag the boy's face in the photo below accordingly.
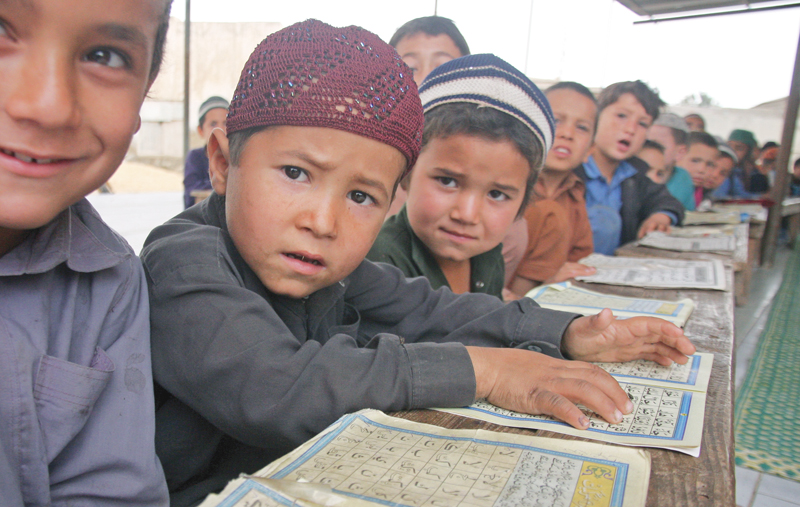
(722, 169)
(575, 116)
(423, 53)
(663, 136)
(306, 203)
(73, 75)
(695, 124)
(213, 119)
(622, 128)
(699, 160)
(655, 159)
(739, 148)
(464, 193)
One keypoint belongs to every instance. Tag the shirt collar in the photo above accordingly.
(77, 237)
(624, 171)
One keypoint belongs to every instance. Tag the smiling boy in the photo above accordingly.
(270, 324)
(76, 398)
(623, 203)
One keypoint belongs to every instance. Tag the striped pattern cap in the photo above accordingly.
(491, 82)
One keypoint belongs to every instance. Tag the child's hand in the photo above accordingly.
(655, 222)
(603, 338)
(570, 270)
(534, 383)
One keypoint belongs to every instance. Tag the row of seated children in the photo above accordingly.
(265, 321)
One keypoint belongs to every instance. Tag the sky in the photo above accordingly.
(739, 60)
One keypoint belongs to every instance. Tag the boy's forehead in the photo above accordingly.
(565, 99)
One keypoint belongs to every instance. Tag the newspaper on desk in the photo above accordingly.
(568, 298)
(718, 242)
(656, 272)
(668, 407)
(369, 458)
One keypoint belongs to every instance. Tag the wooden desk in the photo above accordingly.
(739, 259)
(200, 195)
(676, 479)
(791, 209)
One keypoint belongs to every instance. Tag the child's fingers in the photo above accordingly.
(556, 405)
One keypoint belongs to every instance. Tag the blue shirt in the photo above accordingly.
(681, 187)
(602, 198)
(733, 187)
(76, 389)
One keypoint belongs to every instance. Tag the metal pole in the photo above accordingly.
(781, 171)
(528, 46)
(187, 30)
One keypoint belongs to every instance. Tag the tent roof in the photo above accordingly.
(660, 7)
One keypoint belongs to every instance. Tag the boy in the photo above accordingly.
(670, 131)
(473, 177)
(212, 115)
(695, 122)
(622, 202)
(270, 324)
(76, 400)
(425, 43)
(652, 154)
(718, 176)
(700, 157)
(559, 232)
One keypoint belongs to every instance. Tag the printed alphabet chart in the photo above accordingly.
(669, 406)
(373, 458)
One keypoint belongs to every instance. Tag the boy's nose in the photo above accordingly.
(467, 208)
(320, 217)
(45, 92)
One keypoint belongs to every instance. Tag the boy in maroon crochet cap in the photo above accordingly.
(267, 322)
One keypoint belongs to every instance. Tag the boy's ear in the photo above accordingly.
(680, 152)
(218, 160)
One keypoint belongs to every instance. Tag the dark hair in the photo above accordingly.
(769, 144)
(577, 88)
(679, 136)
(797, 162)
(653, 145)
(237, 141)
(161, 40)
(702, 138)
(647, 97)
(464, 118)
(431, 25)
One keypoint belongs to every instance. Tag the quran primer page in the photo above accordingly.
(568, 298)
(654, 272)
(668, 407)
(711, 243)
(371, 457)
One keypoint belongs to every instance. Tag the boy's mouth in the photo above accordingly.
(306, 259)
(27, 159)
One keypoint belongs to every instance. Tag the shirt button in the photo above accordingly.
(479, 284)
(534, 348)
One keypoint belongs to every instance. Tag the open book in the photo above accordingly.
(369, 458)
(569, 298)
(668, 407)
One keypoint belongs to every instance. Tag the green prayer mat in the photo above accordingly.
(767, 420)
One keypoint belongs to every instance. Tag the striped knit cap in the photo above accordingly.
(314, 75)
(489, 81)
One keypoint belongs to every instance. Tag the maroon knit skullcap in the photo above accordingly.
(314, 75)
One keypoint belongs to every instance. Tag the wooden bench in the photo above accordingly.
(676, 479)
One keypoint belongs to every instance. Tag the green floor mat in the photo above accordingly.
(767, 420)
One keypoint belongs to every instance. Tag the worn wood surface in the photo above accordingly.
(740, 259)
(676, 479)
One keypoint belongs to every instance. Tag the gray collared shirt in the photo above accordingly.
(76, 392)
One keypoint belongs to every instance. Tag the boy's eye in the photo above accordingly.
(498, 195)
(446, 181)
(107, 57)
(644, 124)
(295, 173)
(584, 128)
(359, 197)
